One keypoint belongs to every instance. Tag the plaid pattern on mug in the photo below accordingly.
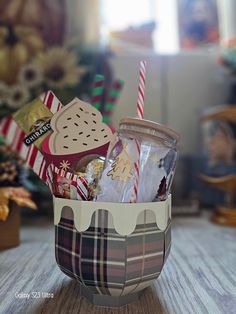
(107, 262)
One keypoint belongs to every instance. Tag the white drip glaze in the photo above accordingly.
(124, 215)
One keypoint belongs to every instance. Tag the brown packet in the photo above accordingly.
(34, 119)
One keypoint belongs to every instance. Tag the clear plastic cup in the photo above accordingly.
(143, 159)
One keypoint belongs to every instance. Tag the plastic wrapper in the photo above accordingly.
(93, 173)
(79, 185)
(34, 120)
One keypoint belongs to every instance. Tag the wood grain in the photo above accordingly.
(199, 276)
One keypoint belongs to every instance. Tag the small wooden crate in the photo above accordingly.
(10, 229)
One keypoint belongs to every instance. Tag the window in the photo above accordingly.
(118, 15)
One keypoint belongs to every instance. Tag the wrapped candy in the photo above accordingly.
(63, 187)
(65, 184)
(93, 173)
(34, 120)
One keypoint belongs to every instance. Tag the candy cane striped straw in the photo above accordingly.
(114, 94)
(98, 87)
(140, 106)
(141, 89)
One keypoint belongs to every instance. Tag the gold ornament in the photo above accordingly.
(121, 167)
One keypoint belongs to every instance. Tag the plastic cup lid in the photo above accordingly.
(150, 128)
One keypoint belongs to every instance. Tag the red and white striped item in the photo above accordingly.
(51, 101)
(78, 182)
(14, 137)
(136, 170)
(65, 174)
(141, 89)
(50, 177)
(140, 113)
(82, 188)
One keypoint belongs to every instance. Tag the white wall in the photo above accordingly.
(227, 9)
(178, 88)
(126, 67)
(83, 25)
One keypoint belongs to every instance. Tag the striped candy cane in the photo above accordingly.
(98, 87)
(140, 113)
(114, 94)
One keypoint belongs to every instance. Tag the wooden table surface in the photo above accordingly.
(199, 276)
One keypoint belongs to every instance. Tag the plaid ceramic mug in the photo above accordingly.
(112, 262)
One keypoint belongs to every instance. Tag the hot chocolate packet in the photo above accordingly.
(34, 119)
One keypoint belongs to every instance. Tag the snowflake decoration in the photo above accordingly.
(65, 165)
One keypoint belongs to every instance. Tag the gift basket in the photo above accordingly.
(111, 191)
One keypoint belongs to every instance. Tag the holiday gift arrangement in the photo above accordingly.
(111, 190)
